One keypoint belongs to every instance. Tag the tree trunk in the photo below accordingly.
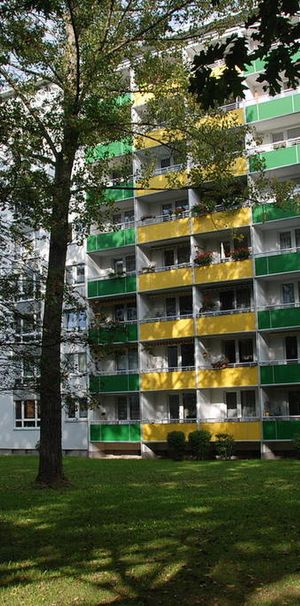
(50, 461)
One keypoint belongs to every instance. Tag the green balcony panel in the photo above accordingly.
(113, 194)
(273, 108)
(272, 212)
(277, 264)
(113, 239)
(277, 158)
(129, 432)
(278, 429)
(111, 150)
(279, 318)
(117, 334)
(259, 65)
(111, 286)
(114, 383)
(280, 373)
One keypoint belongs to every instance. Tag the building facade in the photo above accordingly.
(194, 316)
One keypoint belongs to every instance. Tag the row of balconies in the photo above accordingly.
(244, 375)
(254, 430)
(175, 277)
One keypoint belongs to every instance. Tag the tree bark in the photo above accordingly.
(50, 461)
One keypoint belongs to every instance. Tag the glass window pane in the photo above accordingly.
(82, 320)
(294, 403)
(287, 293)
(131, 312)
(121, 361)
(248, 403)
(285, 240)
(293, 133)
(226, 299)
(80, 274)
(297, 237)
(277, 137)
(122, 408)
(243, 297)
(83, 410)
(246, 350)
(183, 254)
(171, 307)
(231, 404)
(186, 305)
(229, 351)
(29, 409)
(172, 356)
(120, 313)
(18, 409)
(169, 258)
(189, 405)
(291, 348)
(165, 162)
(71, 409)
(166, 211)
(134, 407)
(82, 362)
(132, 359)
(130, 263)
(187, 355)
(174, 407)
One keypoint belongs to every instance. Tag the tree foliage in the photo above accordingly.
(271, 34)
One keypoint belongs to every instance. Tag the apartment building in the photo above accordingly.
(194, 317)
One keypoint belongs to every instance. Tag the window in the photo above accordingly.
(177, 255)
(169, 258)
(187, 355)
(75, 320)
(125, 312)
(231, 404)
(287, 293)
(285, 240)
(166, 211)
(75, 362)
(181, 355)
(174, 407)
(189, 406)
(124, 265)
(279, 136)
(130, 263)
(238, 351)
(243, 297)
(248, 403)
(186, 305)
(27, 414)
(229, 351)
(171, 307)
(246, 350)
(76, 408)
(293, 133)
(128, 408)
(294, 403)
(226, 300)
(127, 360)
(182, 407)
(165, 162)
(183, 254)
(75, 274)
(291, 348)
(172, 357)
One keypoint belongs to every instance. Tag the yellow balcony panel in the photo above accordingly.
(243, 430)
(221, 220)
(158, 432)
(231, 323)
(141, 98)
(159, 183)
(151, 139)
(168, 329)
(239, 167)
(163, 231)
(171, 278)
(241, 376)
(221, 272)
(179, 379)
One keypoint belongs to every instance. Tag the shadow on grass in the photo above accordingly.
(152, 533)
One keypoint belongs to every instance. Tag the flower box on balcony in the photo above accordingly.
(204, 258)
(240, 254)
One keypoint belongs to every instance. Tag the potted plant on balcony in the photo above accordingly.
(240, 254)
(207, 305)
(203, 258)
(179, 212)
(200, 209)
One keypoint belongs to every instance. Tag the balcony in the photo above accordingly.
(286, 428)
(267, 109)
(217, 221)
(164, 328)
(223, 272)
(115, 432)
(172, 277)
(159, 379)
(160, 182)
(287, 316)
(121, 332)
(277, 262)
(112, 239)
(119, 191)
(110, 150)
(280, 372)
(111, 286)
(272, 212)
(237, 376)
(114, 383)
(226, 322)
(241, 430)
(277, 155)
(163, 229)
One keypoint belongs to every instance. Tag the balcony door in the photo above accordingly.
(294, 403)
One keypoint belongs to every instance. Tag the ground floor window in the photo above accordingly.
(76, 408)
(27, 413)
(182, 406)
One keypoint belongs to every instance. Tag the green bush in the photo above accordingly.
(176, 445)
(199, 443)
(224, 445)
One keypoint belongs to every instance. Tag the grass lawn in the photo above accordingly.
(151, 533)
